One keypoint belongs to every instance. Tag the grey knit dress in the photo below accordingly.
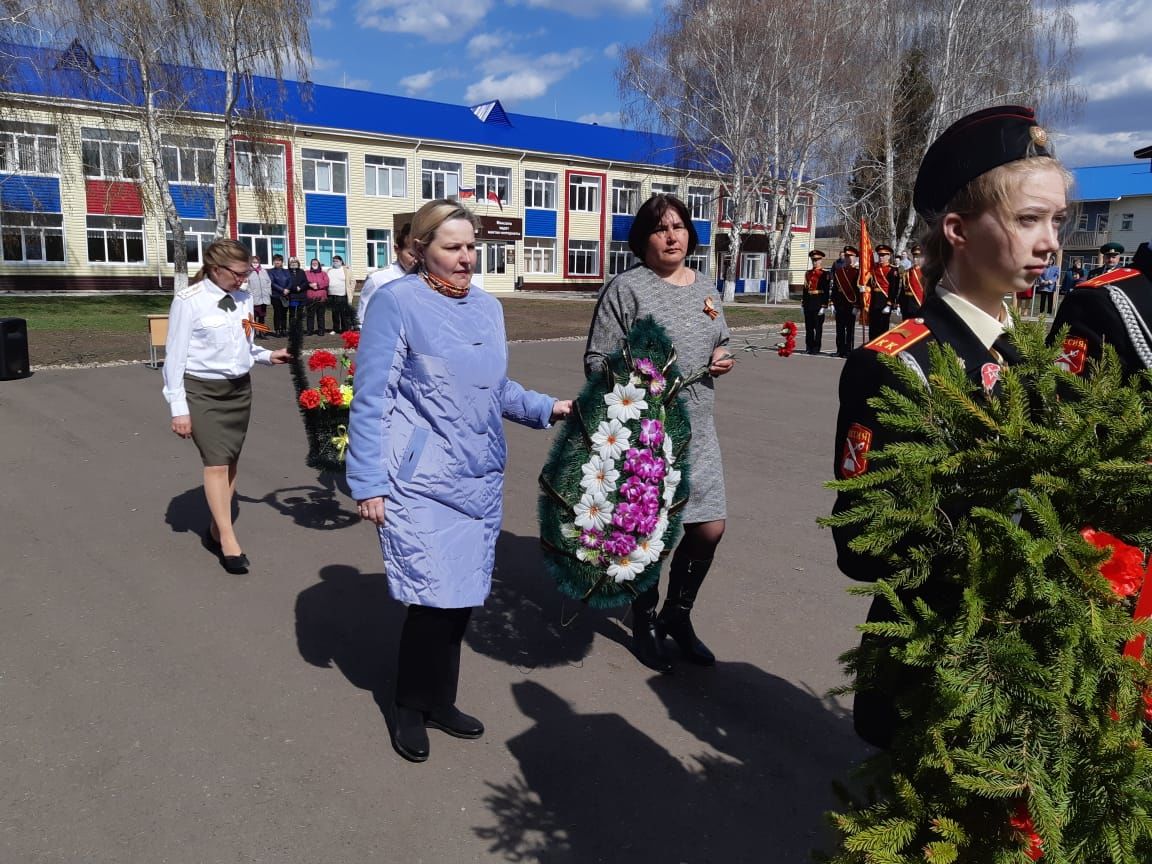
(679, 309)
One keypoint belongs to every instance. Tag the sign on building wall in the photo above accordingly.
(501, 228)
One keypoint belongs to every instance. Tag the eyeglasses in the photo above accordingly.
(240, 274)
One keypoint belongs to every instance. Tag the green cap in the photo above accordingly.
(1111, 249)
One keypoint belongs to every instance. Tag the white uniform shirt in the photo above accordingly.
(206, 341)
(381, 277)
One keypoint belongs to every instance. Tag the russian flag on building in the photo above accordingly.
(493, 196)
(466, 194)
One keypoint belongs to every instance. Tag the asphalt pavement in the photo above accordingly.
(155, 709)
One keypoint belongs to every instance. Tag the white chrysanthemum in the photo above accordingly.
(669, 455)
(569, 531)
(625, 569)
(592, 556)
(671, 481)
(611, 439)
(625, 402)
(593, 511)
(635, 380)
(661, 526)
(648, 549)
(600, 475)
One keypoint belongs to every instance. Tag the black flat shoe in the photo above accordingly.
(235, 564)
(410, 739)
(455, 722)
(209, 542)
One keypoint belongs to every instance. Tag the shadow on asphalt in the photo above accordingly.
(319, 507)
(592, 788)
(526, 621)
(188, 512)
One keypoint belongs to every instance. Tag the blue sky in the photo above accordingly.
(557, 58)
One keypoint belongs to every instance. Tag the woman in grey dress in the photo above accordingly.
(662, 236)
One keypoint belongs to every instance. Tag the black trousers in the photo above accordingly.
(1046, 301)
(879, 323)
(813, 330)
(845, 330)
(314, 320)
(341, 313)
(279, 317)
(429, 664)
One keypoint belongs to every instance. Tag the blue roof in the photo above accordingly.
(337, 108)
(1110, 182)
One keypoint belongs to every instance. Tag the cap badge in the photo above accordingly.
(1039, 136)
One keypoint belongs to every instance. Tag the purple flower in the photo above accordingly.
(651, 433)
(633, 489)
(619, 544)
(650, 468)
(646, 368)
(647, 506)
(656, 385)
(634, 458)
(624, 516)
(591, 538)
(646, 524)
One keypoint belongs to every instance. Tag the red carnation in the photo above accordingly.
(329, 381)
(334, 397)
(310, 399)
(352, 368)
(788, 329)
(1022, 822)
(322, 360)
(1124, 569)
(351, 339)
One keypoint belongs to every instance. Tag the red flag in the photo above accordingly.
(864, 282)
(467, 193)
(492, 196)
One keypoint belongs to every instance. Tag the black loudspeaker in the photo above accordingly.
(14, 349)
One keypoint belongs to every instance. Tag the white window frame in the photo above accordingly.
(327, 243)
(35, 144)
(584, 193)
(625, 197)
(256, 234)
(540, 189)
(666, 189)
(116, 152)
(122, 226)
(700, 203)
(378, 247)
(1102, 220)
(493, 178)
(385, 172)
(620, 257)
(1127, 220)
(492, 258)
(324, 171)
(540, 256)
(439, 179)
(752, 266)
(203, 231)
(585, 253)
(699, 260)
(267, 159)
(50, 225)
(803, 206)
(191, 160)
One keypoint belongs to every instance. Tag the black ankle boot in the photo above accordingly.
(646, 641)
(684, 579)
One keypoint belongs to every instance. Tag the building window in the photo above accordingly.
(698, 260)
(491, 179)
(765, 207)
(491, 258)
(324, 241)
(801, 213)
(189, 160)
(540, 190)
(198, 233)
(1126, 221)
(583, 193)
(1101, 221)
(752, 266)
(110, 153)
(259, 164)
(625, 197)
(439, 179)
(700, 202)
(539, 255)
(31, 236)
(620, 257)
(727, 210)
(29, 148)
(263, 239)
(324, 171)
(116, 239)
(665, 189)
(379, 248)
(385, 176)
(584, 257)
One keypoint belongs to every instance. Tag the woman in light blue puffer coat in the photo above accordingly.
(426, 458)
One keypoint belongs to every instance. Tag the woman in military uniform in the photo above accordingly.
(992, 198)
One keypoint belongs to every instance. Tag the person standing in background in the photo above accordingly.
(297, 291)
(405, 261)
(815, 301)
(845, 297)
(260, 287)
(340, 282)
(1111, 253)
(1071, 278)
(885, 283)
(317, 295)
(1046, 285)
(912, 285)
(279, 279)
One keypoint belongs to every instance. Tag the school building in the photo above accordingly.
(336, 173)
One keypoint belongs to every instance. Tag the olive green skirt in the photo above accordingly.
(219, 408)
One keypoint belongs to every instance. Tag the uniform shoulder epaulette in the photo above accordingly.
(190, 291)
(1117, 275)
(898, 338)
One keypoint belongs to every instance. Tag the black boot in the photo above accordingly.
(646, 642)
(684, 579)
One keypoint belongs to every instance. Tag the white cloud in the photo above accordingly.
(322, 14)
(421, 81)
(486, 43)
(324, 64)
(604, 118)
(612, 50)
(1117, 76)
(1081, 147)
(593, 8)
(435, 20)
(516, 77)
(1111, 21)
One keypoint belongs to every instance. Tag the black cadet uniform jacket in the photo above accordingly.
(1094, 319)
(817, 290)
(858, 433)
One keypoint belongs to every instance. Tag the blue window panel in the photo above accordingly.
(194, 202)
(539, 223)
(325, 209)
(30, 194)
(703, 231)
(621, 225)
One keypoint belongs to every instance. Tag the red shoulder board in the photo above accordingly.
(899, 338)
(1117, 275)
